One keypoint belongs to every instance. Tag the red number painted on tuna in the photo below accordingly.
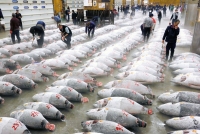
(34, 113)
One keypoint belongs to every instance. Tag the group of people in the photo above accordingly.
(38, 30)
(170, 35)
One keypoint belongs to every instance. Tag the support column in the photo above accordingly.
(124, 2)
(195, 47)
(191, 14)
(132, 2)
(139, 2)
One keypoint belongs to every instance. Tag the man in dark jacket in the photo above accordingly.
(159, 16)
(66, 35)
(19, 16)
(89, 28)
(164, 10)
(14, 28)
(74, 15)
(170, 36)
(38, 33)
(67, 12)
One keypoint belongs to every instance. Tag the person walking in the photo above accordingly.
(159, 16)
(90, 28)
(147, 27)
(41, 23)
(170, 36)
(38, 33)
(57, 19)
(164, 10)
(19, 16)
(74, 16)
(14, 28)
(118, 9)
(121, 8)
(67, 12)
(154, 24)
(174, 16)
(66, 34)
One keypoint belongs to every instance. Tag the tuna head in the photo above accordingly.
(68, 104)
(104, 93)
(87, 125)
(168, 97)
(170, 109)
(16, 90)
(11, 64)
(96, 113)
(109, 84)
(101, 103)
(90, 88)
(121, 75)
(59, 115)
(141, 123)
(147, 101)
(146, 111)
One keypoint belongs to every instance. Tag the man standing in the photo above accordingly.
(14, 28)
(74, 15)
(19, 16)
(57, 19)
(38, 33)
(170, 36)
(89, 28)
(159, 16)
(41, 23)
(67, 12)
(66, 35)
(174, 16)
(121, 8)
(164, 10)
(147, 26)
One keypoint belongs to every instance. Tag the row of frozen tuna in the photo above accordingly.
(184, 107)
(184, 38)
(33, 114)
(121, 102)
(108, 58)
(185, 104)
(148, 67)
(51, 127)
(186, 67)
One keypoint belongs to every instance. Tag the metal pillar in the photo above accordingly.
(139, 2)
(123, 2)
(195, 47)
